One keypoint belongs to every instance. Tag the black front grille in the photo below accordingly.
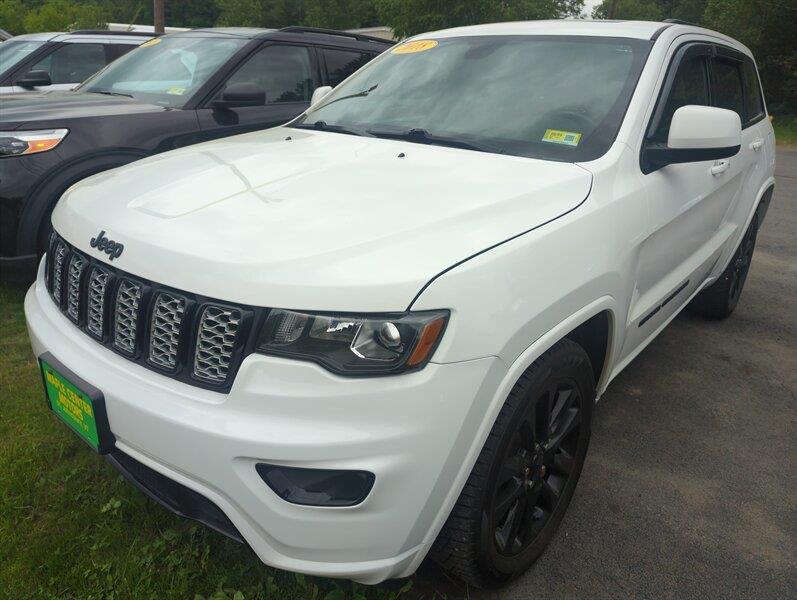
(191, 338)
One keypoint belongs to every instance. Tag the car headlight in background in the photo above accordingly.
(15, 143)
(354, 344)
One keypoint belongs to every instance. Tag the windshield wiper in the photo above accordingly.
(361, 94)
(421, 136)
(109, 93)
(323, 126)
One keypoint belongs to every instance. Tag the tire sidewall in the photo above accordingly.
(563, 362)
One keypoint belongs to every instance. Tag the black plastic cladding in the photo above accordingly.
(251, 319)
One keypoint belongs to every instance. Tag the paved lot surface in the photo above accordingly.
(690, 485)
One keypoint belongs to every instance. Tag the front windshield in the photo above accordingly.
(552, 97)
(13, 51)
(165, 71)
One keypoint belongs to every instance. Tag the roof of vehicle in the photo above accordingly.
(64, 36)
(44, 36)
(645, 30)
(254, 32)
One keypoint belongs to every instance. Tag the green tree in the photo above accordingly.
(409, 17)
(341, 14)
(12, 16)
(240, 13)
(764, 26)
(66, 15)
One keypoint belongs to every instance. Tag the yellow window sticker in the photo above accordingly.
(414, 46)
(555, 136)
(151, 42)
(176, 90)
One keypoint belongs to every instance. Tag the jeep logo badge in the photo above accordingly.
(103, 244)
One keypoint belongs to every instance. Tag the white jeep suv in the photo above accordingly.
(378, 332)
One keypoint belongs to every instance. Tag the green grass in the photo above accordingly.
(785, 130)
(72, 528)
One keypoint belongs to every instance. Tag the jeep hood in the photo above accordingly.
(313, 220)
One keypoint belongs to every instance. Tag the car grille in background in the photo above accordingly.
(185, 336)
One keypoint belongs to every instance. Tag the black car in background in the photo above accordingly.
(172, 91)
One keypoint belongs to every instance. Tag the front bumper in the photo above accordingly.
(412, 431)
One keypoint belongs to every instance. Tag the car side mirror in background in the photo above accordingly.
(33, 79)
(241, 94)
(697, 133)
(319, 93)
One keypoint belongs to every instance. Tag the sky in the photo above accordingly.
(589, 5)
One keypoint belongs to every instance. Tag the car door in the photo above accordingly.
(688, 204)
(287, 73)
(735, 86)
(69, 65)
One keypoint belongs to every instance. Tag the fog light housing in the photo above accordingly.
(317, 487)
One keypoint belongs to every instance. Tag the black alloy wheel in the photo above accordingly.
(536, 468)
(522, 483)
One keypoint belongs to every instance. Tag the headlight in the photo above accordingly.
(14, 143)
(354, 344)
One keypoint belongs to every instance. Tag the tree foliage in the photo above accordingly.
(767, 27)
(409, 17)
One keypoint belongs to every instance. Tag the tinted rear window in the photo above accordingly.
(753, 102)
(728, 86)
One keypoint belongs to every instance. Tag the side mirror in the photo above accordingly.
(241, 94)
(319, 93)
(697, 133)
(33, 79)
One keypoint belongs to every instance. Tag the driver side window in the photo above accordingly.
(284, 73)
(689, 87)
(72, 63)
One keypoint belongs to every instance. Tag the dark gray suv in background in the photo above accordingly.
(171, 91)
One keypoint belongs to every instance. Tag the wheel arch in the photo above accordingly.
(583, 323)
(45, 194)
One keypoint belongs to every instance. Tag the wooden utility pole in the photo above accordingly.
(613, 9)
(157, 15)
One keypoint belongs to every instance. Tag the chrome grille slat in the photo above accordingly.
(59, 258)
(187, 337)
(76, 265)
(95, 309)
(216, 335)
(125, 321)
(164, 337)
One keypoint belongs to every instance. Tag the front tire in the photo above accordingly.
(525, 476)
(719, 299)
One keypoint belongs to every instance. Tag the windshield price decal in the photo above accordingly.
(414, 46)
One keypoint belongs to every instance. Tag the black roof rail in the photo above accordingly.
(111, 32)
(680, 22)
(357, 36)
